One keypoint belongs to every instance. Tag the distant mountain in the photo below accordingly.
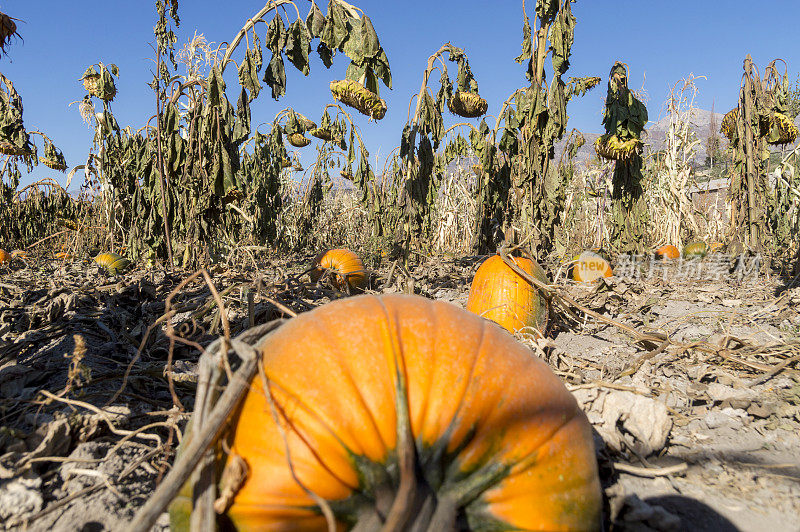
(699, 124)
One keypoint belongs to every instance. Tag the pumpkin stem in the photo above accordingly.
(444, 518)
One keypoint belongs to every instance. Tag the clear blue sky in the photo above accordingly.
(661, 42)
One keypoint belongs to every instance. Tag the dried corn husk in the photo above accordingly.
(355, 95)
(298, 140)
(467, 104)
(612, 148)
(477, 169)
(286, 163)
(346, 175)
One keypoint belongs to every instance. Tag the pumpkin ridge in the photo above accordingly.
(447, 433)
(303, 436)
(328, 423)
(480, 351)
(436, 451)
(357, 390)
(393, 330)
(530, 459)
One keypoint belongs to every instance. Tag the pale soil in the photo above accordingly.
(717, 410)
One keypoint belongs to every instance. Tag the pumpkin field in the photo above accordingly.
(217, 320)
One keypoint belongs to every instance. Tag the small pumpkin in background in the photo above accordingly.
(344, 267)
(112, 262)
(716, 247)
(668, 252)
(589, 267)
(695, 250)
(5, 257)
(491, 429)
(499, 294)
(64, 255)
(735, 248)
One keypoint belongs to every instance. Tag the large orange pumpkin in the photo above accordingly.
(345, 268)
(589, 267)
(499, 294)
(668, 252)
(5, 256)
(492, 427)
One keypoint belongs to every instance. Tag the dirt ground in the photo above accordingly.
(691, 383)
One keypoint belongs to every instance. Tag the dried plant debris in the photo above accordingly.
(98, 372)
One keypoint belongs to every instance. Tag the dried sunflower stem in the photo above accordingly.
(272, 4)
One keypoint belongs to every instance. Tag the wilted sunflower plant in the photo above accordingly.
(21, 223)
(343, 148)
(521, 193)
(191, 190)
(421, 167)
(759, 121)
(624, 119)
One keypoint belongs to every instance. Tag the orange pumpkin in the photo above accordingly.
(499, 294)
(715, 247)
(5, 257)
(668, 252)
(345, 268)
(491, 425)
(589, 267)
